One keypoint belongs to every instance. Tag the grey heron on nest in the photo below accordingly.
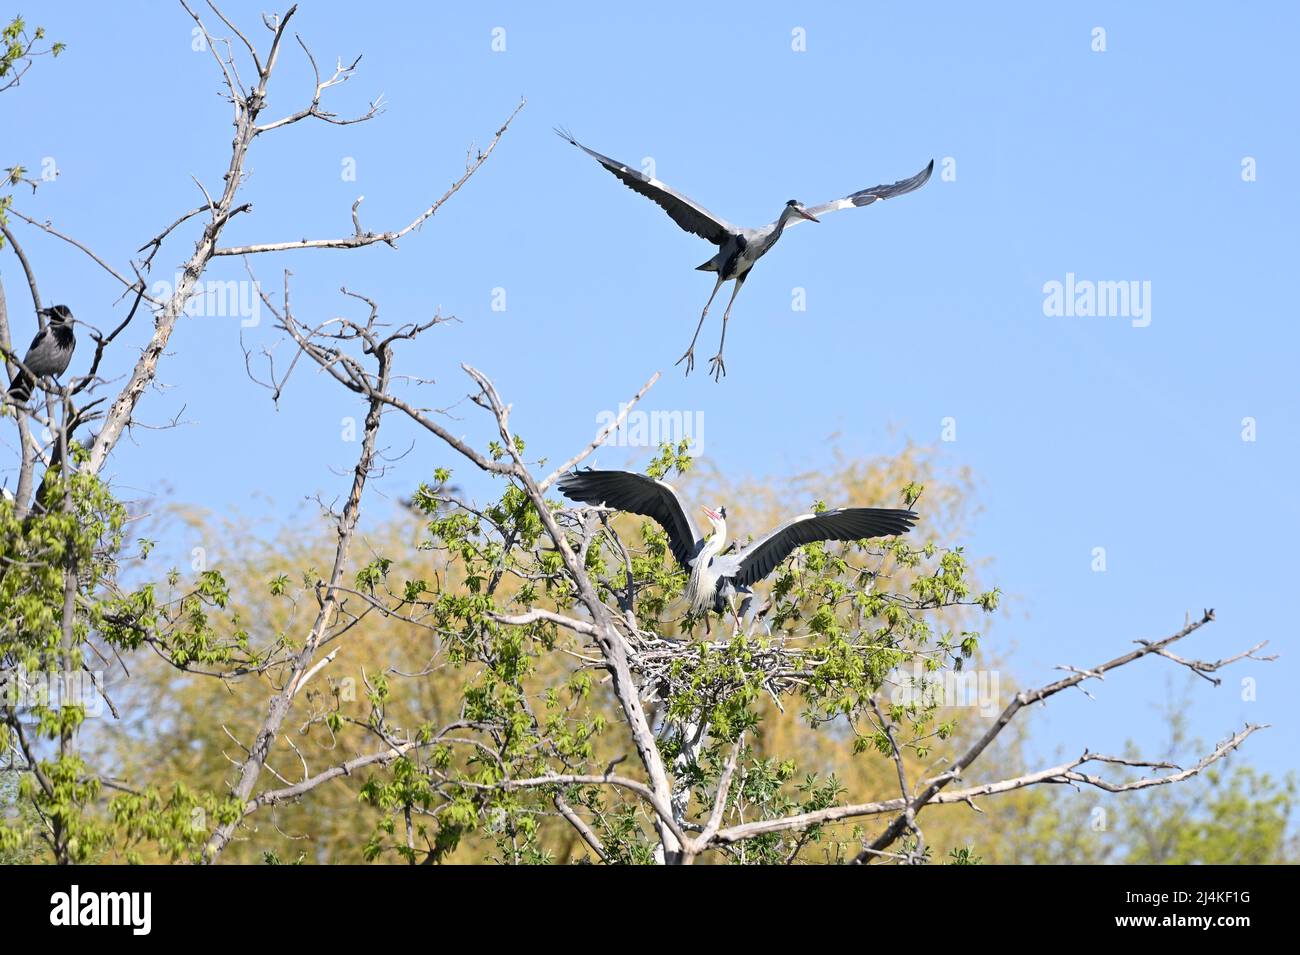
(716, 577)
(739, 248)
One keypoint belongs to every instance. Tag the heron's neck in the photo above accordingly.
(787, 213)
(713, 547)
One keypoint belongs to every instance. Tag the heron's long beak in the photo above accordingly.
(807, 216)
(713, 515)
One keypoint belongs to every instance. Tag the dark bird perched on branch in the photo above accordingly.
(715, 577)
(49, 354)
(740, 248)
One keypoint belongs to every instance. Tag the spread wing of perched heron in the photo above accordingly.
(739, 248)
(638, 494)
(715, 577)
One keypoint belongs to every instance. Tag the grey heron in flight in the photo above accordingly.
(739, 248)
(716, 577)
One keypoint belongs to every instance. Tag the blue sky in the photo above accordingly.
(1122, 165)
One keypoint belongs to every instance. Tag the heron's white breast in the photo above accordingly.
(701, 585)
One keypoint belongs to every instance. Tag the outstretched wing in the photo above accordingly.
(637, 494)
(844, 524)
(685, 212)
(866, 197)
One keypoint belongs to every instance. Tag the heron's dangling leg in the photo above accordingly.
(735, 614)
(719, 369)
(689, 357)
(748, 611)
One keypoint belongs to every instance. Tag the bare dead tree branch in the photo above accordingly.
(600, 438)
(1021, 700)
(360, 239)
(329, 603)
(129, 284)
(341, 75)
(609, 640)
(27, 453)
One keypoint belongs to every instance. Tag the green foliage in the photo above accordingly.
(531, 700)
(175, 824)
(273, 858)
(845, 616)
(68, 541)
(17, 45)
(671, 458)
(74, 538)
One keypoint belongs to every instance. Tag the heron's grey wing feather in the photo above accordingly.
(637, 494)
(844, 524)
(865, 197)
(687, 213)
(726, 565)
